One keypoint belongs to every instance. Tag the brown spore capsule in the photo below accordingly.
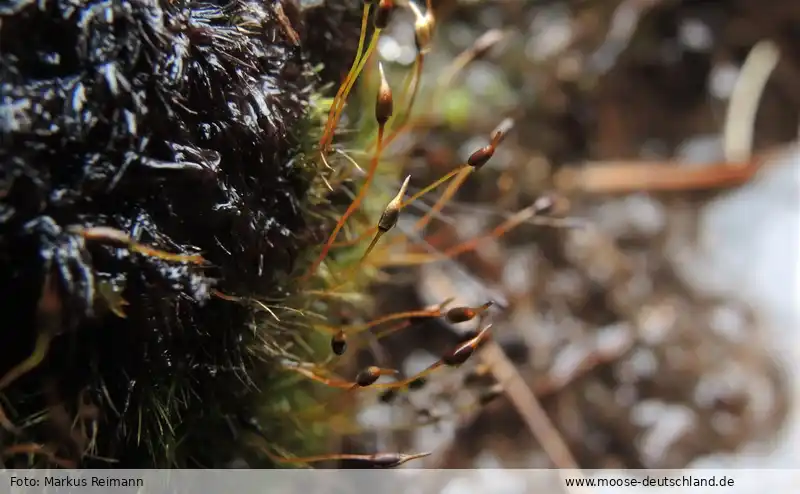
(339, 343)
(384, 14)
(458, 315)
(463, 314)
(384, 104)
(385, 460)
(458, 356)
(423, 28)
(368, 376)
(389, 460)
(391, 214)
(480, 157)
(464, 351)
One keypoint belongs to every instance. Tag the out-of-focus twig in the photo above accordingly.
(745, 99)
(624, 23)
(621, 177)
(548, 385)
(626, 176)
(526, 401)
(528, 406)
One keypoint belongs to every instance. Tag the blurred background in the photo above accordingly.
(664, 333)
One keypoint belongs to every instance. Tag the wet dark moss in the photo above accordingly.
(327, 44)
(176, 122)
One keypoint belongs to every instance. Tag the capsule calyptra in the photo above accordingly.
(423, 28)
(501, 131)
(464, 351)
(391, 214)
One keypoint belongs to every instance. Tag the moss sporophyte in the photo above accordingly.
(168, 175)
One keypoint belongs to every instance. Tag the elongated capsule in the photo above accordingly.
(384, 14)
(339, 343)
(387, 460)
(423, 28)
(388, 218)
(480, 157)
(391, 214)
(377, 460)
(464, 351)
(384, 104)
(458, 315)
(371, 374)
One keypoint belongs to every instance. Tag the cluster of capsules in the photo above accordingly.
(368, 377)
(384, 113)
(379, 12)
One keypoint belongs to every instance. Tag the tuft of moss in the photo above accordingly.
(188, 126)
